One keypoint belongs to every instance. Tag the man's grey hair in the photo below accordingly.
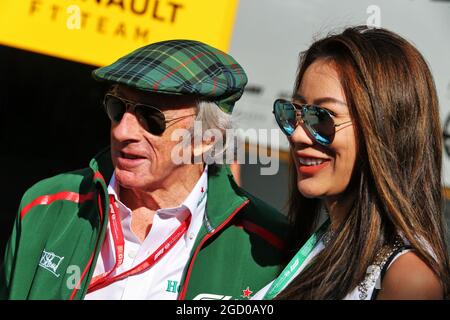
(213, 122)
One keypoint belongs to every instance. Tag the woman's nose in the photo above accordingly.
(300, 135)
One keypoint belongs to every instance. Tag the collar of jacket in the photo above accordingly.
(224, 201)
(224, 195)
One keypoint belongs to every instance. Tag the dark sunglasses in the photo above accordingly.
(317, 120)
(151, 118)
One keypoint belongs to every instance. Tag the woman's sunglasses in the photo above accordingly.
(151, 118)
(317, 120)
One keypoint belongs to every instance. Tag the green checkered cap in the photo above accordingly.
(182, 67)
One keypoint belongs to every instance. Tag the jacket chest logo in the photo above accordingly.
(50, 261)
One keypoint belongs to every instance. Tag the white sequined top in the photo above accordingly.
(366, 289)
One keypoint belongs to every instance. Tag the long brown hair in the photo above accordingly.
(394, 107)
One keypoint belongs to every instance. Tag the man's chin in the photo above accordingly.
(134, 180)
(128, 179)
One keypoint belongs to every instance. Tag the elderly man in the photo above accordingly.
(136, 224)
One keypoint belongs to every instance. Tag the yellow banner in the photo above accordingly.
(98, 32)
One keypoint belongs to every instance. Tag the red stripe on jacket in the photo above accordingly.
(183, 291)
(263, 233)
(48, 199)
(91, 259)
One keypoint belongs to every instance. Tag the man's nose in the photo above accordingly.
(128, 128)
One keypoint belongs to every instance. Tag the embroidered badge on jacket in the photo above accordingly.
(50, 261)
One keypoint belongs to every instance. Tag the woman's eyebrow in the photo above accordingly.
(330, 100)
(318, 101)
(299, 97)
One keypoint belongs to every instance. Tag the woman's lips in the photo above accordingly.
(310, 165)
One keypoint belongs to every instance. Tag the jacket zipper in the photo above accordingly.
(75, 290)
(209, 235)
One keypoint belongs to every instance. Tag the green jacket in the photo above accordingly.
(61, 225)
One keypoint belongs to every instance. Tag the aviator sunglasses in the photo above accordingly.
(151, 118)
(317, 120)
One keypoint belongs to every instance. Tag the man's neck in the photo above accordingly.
(171, 193)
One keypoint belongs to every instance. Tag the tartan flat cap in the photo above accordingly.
(181, 67)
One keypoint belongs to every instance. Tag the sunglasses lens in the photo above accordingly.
(285, 116)
(115, 108)
(320, 124)
(152, 119)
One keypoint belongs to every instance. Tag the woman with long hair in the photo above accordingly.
(366, 149)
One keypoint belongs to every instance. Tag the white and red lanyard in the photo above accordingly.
(106, 279)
